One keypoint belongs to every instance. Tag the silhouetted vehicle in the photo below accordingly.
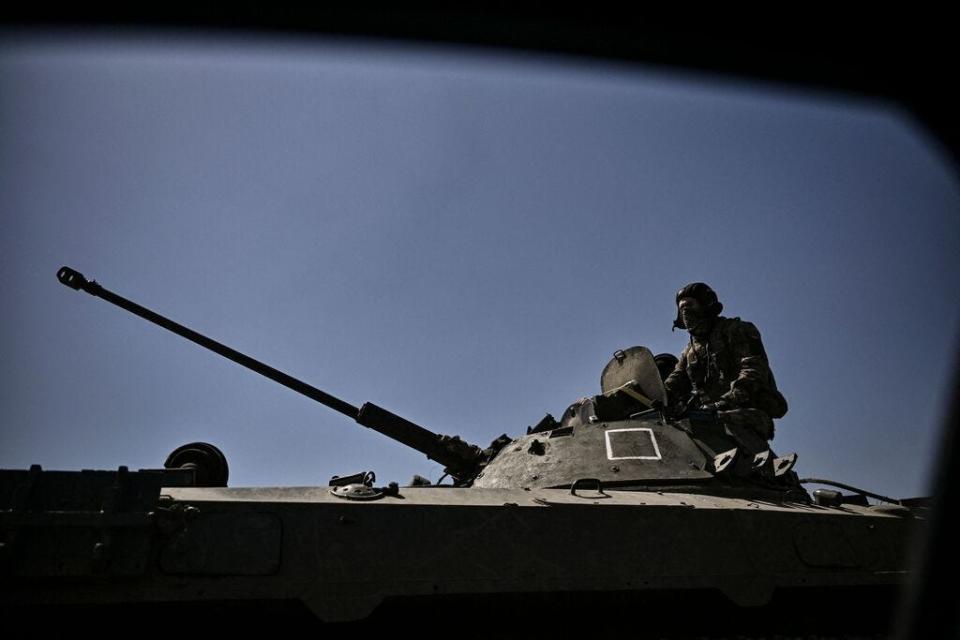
(616, 514)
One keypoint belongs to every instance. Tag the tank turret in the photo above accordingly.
(624, 437)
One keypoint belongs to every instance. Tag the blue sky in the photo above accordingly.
(461, 237)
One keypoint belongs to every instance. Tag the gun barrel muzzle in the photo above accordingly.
(71, 278)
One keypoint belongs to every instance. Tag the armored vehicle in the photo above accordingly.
(620, 515)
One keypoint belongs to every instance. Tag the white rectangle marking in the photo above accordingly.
(653, 440)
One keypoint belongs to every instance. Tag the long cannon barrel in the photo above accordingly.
(460, 459)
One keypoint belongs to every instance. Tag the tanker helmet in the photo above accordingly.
(666, 363)
(703, 294)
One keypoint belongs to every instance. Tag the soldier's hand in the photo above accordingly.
(714, 406)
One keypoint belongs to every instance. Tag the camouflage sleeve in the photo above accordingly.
(754, 370)
(678, 382)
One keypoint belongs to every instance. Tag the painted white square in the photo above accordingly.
(653, 441)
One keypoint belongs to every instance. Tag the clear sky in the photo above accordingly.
(460, 237)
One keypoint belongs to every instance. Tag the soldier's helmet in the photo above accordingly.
(666, 362)
(703, 294)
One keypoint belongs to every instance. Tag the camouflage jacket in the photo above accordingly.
(727, 365)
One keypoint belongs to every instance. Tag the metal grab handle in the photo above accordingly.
(582, 481)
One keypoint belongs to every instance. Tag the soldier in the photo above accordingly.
(724, 367)
(666, 363)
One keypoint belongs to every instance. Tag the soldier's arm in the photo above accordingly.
(754, 369)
